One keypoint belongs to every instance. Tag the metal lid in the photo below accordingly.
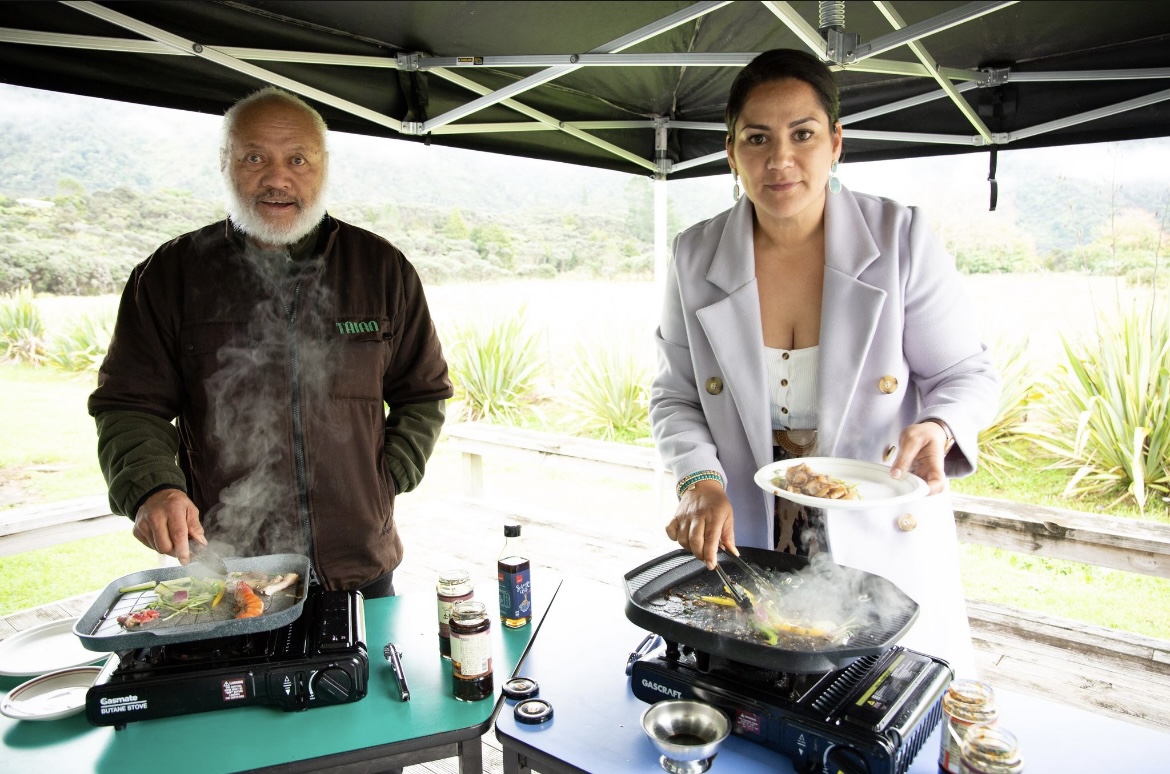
(970, 701)
(533, 712)
(992, 750)
(520, 688)
(511, 530)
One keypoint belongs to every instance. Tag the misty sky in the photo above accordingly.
(951, 181)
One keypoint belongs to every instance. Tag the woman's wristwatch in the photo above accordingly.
(950, 440)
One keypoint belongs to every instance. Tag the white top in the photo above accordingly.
(792, 387)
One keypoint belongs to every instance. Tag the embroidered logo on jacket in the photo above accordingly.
(359, 327)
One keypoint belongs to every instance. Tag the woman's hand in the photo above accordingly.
(703, 521)
(921, 450)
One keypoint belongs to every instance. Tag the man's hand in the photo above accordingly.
(703, 521)
(920, 450)
(167, 522)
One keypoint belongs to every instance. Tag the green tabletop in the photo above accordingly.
(378, 726)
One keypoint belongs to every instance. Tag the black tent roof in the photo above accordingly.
(633, 86)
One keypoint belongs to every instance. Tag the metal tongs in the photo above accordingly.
(762, 584)
(738, 593)
(757, 577)
(395, 658)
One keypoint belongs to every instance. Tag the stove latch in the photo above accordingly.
(649, 643)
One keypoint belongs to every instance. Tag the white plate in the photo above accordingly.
(44, 648)
(875, 488)
(48, 697)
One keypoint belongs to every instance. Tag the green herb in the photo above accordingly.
(140, 587)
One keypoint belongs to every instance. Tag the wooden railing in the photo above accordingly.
(30, 527)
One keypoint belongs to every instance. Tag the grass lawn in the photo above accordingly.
(48, 574)
(49, 450)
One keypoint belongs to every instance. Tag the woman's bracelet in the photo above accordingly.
(689, 481)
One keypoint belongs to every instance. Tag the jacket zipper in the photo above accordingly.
(298, 431)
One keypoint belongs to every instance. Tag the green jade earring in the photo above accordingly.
(834, 183)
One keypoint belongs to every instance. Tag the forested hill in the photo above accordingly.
(88, 187)
(45, 139)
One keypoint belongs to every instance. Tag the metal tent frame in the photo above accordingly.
(888, 75)
(532, 79)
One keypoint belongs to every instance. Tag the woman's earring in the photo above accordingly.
(834, 183)
(735, 192)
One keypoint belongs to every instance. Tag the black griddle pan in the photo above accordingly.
(98, 628)
(680, 568)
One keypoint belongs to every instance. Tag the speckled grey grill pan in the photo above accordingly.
(98, 628)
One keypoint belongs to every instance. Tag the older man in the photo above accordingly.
(242, 399)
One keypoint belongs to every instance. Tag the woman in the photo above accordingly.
(811, 320)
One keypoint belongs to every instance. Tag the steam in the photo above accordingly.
(817, 607)
(829, 595)
(251, 398)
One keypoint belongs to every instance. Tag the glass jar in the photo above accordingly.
(454, 586)
(966, 703)
(991, 750)
(471, 651)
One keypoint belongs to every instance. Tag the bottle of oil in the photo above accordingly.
(515, 577)
(471, 651)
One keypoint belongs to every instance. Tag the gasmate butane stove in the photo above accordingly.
(317, 660)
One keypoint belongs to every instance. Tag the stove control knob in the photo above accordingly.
(331, 686)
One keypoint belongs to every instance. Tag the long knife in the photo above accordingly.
(207, 557)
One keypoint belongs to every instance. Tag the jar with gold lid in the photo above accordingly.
(966, 704)
(991, 750)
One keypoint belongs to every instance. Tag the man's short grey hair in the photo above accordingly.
(266, 94)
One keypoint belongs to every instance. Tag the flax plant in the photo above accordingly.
(494, 368)
(22, 330)
(83, 343)
(610, 393)
(1108, 410)
(998, 452)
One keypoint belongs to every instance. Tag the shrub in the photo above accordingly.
(83, 343)
(1108, 409)
(22, 331)
(1148, 276)
(610, 393)
(998, 451)
(494, 367)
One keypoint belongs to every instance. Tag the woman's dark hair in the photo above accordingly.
(777, 65)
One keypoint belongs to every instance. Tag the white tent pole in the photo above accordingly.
(661, 248)
(661, 173)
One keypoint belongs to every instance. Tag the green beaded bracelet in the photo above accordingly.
(689, 481)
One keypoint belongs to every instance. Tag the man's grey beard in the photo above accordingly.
(247, 220)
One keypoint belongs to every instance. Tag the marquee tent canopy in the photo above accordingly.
(638, 87)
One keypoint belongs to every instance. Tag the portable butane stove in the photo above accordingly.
(870, 717)
(317, 660)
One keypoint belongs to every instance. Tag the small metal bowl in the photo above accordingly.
(687, 733)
